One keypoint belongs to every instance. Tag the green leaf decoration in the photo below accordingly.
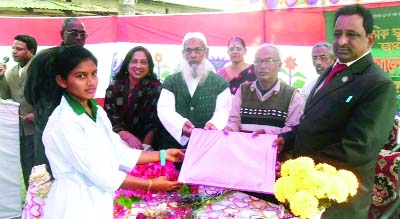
(299, 74)
(185, 190)
(127, 202)
(298, 84)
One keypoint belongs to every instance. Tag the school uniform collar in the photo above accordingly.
(79, 109)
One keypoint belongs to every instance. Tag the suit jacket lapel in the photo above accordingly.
(317, 84)
(341, 80)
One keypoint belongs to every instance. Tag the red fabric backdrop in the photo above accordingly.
(302, 27)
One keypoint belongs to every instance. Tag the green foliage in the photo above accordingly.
(165, 74)
(283, 70)
(185, 190)
(298, 84)
(299, 74)
(127, 202)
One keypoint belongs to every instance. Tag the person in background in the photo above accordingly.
(131, 99)
(349, 112)
(73, 32)
(238, 71)
(4, 91)
(194, 97)
(323, 57)
(265, 105)
(23, 49)
(39, 82)
(87, 158)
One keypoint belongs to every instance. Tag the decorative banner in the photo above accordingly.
(111, 37)
(386, 48)
(284, 4)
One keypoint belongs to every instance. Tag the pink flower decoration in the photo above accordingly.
(119, 211)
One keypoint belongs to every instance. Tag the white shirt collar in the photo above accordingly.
(350, 63)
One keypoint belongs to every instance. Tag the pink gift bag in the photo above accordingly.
(235, 160)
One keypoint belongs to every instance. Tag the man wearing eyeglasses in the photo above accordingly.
(266, 105)
(323, 57)
(73, 32)
(193, 97)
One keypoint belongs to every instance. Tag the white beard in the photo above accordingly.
(194, 71)
(193, 74)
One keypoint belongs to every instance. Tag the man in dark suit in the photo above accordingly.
(23, 49)
(346, 120)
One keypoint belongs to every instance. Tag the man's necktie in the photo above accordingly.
(335, 70)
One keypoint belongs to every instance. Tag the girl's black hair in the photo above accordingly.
(68, 57)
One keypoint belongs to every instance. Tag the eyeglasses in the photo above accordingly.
(268, 61)
(322, 58)
(231, 49)
(196, 50)
(75, 33)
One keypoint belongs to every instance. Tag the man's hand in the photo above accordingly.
(28, 117)
(227, 129)
(131, 140)
(3, 69)
(210, 126)
(187, 128)
(279, 142)
(258, 132)
(175, 155)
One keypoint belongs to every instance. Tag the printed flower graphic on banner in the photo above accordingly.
(158, 59)
(272, 3)
(218, 62)
(312, 2)
(290, 64)
(291, 3)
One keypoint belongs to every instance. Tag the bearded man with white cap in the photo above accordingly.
(194, 97)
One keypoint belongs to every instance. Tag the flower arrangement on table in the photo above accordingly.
(167, 205)
(307, 188)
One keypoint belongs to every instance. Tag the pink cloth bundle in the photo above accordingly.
(235, 160)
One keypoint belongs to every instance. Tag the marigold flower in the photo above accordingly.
(304, 204)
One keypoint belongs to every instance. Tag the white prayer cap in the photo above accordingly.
(196, 35)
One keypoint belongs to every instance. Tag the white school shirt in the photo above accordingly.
(85, 157)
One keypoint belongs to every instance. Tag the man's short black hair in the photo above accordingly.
(30, 42)
(368, 20)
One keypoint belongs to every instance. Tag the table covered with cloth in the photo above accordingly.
(210, 203)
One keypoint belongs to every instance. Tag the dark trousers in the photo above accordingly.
(27, 156)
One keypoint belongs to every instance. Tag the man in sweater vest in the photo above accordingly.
(192, 98)
(266, 105)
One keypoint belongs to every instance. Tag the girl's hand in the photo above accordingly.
(163, 184)
(175, 155)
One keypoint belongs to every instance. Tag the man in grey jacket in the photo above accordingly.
(23, 49)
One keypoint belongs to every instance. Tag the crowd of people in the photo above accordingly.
(342, 118)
